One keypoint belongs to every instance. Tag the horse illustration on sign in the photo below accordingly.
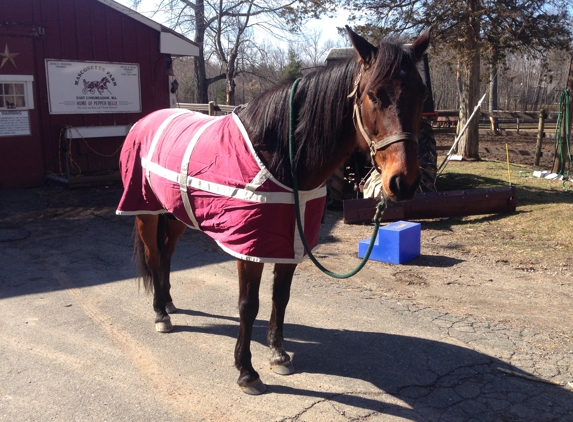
(92, 86)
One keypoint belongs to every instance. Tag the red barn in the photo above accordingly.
(74, 76)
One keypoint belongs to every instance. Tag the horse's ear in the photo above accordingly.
(366, 51)
(422, 43)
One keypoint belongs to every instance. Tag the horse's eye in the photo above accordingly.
(373, 98)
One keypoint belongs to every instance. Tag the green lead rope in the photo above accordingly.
(379, 208)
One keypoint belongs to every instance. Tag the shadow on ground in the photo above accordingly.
(51, 229)
(435, 380)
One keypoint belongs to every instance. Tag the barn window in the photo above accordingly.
(12, 95)
(16, 92)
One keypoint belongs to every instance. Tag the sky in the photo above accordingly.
(326, 25)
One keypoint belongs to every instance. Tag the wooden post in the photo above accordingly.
(494, 122)
(211, 108)
(517, 129)
(540, 135)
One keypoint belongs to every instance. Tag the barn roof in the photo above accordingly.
(170, 42)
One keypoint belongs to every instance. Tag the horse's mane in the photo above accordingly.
(392, 56)
(322, 110)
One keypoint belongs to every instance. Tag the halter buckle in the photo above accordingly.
(357, 81)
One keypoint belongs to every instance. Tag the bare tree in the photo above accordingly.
(313, 48)
(443, 77)
(224, 28)
(533, 81)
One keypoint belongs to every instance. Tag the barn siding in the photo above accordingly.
(84, 30)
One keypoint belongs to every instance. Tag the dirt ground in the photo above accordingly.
(465, 269)
(464, 278)
(521, 148)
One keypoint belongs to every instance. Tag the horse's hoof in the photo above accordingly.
(254, 388)
(164, 325)
(286, 368)
(170, 308)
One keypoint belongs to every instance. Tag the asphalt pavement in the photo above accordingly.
(77, 339)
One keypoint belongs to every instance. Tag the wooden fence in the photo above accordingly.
(522, 123)
(211, 109)
(533, 123)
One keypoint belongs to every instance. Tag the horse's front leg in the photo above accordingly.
(249, 282)
(280, 360)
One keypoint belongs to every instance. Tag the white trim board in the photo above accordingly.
(97, 131)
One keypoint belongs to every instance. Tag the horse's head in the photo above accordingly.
(389, 96)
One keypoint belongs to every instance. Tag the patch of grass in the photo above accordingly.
(541, 229)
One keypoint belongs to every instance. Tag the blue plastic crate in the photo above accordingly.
(396, 243)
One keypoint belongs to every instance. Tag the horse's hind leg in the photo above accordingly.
(174, 230)
(280, 360)
(158, 235)
(249, 282)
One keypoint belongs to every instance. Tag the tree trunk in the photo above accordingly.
(201, 77)
(230, 92)
(468, 146)
(538, 90)
(493, 89)
(199, 62)
(230, 80)
(493, 99)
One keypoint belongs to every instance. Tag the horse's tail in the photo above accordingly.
(143, 269)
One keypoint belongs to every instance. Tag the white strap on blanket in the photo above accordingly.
(155, 140)
(185, 168)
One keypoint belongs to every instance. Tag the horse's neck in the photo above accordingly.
(266, 122)
(339, 148)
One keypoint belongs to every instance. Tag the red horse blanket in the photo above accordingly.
(205, 172)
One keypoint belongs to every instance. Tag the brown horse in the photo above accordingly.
(373, 102)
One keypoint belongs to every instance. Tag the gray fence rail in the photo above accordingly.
(212, 109)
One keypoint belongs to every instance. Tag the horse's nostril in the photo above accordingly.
(401, 189)
(395, 185)
(399, 186)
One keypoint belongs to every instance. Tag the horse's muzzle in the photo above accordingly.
(400, 189)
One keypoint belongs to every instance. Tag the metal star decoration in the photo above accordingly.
(8, 56)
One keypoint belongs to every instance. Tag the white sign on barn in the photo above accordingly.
(92, 87)
(14, 123)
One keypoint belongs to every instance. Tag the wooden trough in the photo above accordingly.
(457, 203)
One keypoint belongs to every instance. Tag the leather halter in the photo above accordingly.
(375, 145)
